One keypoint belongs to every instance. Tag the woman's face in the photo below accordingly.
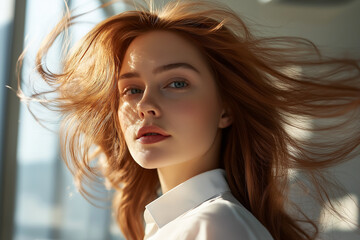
(182, 100)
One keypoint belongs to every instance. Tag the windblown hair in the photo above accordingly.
(258, 82)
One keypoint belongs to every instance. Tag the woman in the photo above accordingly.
(186, 100)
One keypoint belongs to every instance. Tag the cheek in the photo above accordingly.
(126, 118)
(193, 115)
(194, 127)
(123, 121)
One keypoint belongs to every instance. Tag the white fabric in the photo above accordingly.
(201, 208)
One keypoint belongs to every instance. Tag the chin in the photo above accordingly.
(153, 164)
(147, 164)
(151, 159)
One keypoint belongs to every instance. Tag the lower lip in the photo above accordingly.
(152, 139)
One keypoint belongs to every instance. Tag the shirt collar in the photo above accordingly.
(186, 196)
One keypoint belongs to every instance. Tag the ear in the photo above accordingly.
(226, 119)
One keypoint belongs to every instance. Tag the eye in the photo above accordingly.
(179, 84)
(132, 91)
(175, 84)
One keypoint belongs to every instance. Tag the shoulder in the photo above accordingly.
(224, 218)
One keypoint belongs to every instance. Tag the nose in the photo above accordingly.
(147, 106)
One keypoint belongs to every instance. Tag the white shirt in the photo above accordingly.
(201, 208)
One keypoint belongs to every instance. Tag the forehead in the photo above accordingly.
(159, 48)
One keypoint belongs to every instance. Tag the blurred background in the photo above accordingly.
(38, 199)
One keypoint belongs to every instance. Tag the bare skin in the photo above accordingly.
(183, 102)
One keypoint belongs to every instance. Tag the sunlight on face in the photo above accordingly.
(183, 100)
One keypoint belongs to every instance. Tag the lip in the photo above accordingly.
(151, 139)
(151, 129)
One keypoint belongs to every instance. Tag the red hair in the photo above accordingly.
(258, 84)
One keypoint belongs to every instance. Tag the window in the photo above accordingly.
(48, 205)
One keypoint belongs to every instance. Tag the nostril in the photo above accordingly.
(151, 112)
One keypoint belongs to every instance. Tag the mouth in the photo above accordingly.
(149, 134)
(151, 138)
(151, 131)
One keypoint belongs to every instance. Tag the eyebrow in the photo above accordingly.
(162, 69)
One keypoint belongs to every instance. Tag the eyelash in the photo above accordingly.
(182, 81)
